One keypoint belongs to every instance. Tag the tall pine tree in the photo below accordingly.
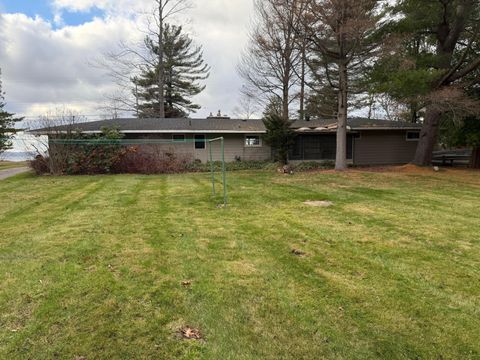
(435, 65)
(7, 124)
(184, 68)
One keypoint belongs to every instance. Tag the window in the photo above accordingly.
(253, 141)
(178, 138)
(200, 142)
(413, 135)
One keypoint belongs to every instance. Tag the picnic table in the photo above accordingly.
(452, 158)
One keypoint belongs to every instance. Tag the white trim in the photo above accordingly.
(358, 129)
(252, 146)
(388, 128)
(153, 132)
(200, 132)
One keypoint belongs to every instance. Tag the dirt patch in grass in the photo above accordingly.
(298, 253)
(413, 169)
(360, 209)
(406, 169)
(242, 268)
(322, 203)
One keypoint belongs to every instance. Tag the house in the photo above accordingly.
(370, 142)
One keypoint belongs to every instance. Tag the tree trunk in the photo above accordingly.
(137, 105)
(302, 85)
(475, 160)
(285, 96)
(428, 137)
(341, 157)
(161, 65)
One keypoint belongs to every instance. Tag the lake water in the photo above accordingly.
(25, 147)
(17, 156)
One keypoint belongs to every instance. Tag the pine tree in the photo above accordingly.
(7, 122)
(183, 67)
(322, 104)
(280, 135)
(436, 63)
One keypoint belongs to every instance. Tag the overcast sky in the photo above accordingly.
(46, 47)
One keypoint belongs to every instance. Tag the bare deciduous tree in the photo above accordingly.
(57, 123)
(247, 107)
(339, 35)
(270, 66)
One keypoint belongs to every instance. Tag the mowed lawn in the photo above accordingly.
(92, 267)
(4, 165)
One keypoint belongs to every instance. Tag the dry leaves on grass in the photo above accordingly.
(186, 283)
(190, 333)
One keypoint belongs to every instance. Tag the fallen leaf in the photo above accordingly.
(191, 333)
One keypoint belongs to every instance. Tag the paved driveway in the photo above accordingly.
(12, 172)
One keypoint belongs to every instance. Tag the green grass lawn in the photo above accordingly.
(92, 267)
(11, 164)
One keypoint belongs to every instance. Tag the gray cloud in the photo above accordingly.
(44, 67)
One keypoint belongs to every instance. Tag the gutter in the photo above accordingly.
(154, 132)
(312, 131)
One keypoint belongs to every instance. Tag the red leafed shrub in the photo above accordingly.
(104, 153)
(40, 165)
(93, 160)
(151, 159)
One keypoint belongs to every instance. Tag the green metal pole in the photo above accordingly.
(212, 167)
(224, 175)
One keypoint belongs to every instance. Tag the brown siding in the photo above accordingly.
(234, 147)
(376, 147)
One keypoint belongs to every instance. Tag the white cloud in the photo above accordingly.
(86, 5)
(44, 66)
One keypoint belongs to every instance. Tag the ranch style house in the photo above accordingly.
(370, 142)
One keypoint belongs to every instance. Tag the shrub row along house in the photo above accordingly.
(370, 142)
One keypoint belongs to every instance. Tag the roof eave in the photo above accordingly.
(387, 128)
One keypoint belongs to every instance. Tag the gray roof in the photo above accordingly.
(216, 125)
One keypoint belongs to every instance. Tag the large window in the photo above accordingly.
(200, 142)
(253, 141)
